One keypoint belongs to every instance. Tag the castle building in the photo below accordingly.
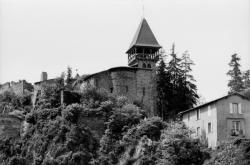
(136, 81)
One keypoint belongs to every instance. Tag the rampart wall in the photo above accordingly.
(135, 83)
(18, 88)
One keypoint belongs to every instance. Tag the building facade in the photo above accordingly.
(19, 88)
(137, 81)
(219, 120)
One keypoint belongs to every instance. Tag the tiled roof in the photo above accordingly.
(120, 68)
(144, 36)
(213, 101)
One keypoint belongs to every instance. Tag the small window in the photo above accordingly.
(198, 131)
(209, 127)
(149, 66)
(143, 91)
(235, 108)
(111, 90)
(198, 114)
(236, 128)
(144, 65)
(126, 88)
(209, 111)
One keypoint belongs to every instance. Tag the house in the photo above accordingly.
(219, 120)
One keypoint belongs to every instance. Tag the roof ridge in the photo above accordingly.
(144, 36)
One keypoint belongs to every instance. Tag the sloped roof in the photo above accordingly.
(144, 36)
(213, 101)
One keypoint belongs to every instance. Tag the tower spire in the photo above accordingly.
(143, 51)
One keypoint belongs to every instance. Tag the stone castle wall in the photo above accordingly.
(135, 83)
(10, 126)
(4, 87)
(18, 88)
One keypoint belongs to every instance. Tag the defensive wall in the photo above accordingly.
(137, 84)
(18, 88)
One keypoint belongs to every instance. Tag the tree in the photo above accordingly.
(162, 85)
(175, 71)
(235, 83)
(246, 79)
(184, 91)
(176, 87)
(189, 89)
(69, 77)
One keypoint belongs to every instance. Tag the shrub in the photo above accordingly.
(17, 160)
(235, 152)
(177, 148)
(93, 96)
(72, 112)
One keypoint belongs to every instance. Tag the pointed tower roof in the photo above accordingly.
(144, 36)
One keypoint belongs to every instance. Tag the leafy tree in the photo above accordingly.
(9, 102)
(50, 95)
(153, 141)
(119, 122)
(177, 148)
(246, 93)
(235, 83)
(234, 152)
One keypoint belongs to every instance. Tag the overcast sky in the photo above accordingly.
(93, 35)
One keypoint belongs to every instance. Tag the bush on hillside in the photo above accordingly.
(235, 152)
(50, 96)
(9, 102)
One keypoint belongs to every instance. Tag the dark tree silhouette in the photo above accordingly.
(235, 83)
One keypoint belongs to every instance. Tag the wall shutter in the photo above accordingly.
(240, 111)
(231, 107)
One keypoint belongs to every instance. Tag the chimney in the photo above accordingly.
(44, 76)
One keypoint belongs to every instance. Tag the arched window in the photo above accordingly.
(126, 88)
(144, 65)
(143, 91)
(149, 66)
(111, 90)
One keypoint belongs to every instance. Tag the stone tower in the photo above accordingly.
(44, 76)
(144, 48)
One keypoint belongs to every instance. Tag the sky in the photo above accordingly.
(93, 35)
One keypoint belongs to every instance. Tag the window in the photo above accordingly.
(126, 88)
(209, 111)
(235, 108)
(143, 91)
(198, 131)
(198, 114)
(149, 66)
(236, 128)
(209, 127)
(144, 65)
(111, 90)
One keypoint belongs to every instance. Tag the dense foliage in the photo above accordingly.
(176, 87)
(9, 102)
(235, 152)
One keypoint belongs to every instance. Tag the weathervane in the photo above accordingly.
(142, 8)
